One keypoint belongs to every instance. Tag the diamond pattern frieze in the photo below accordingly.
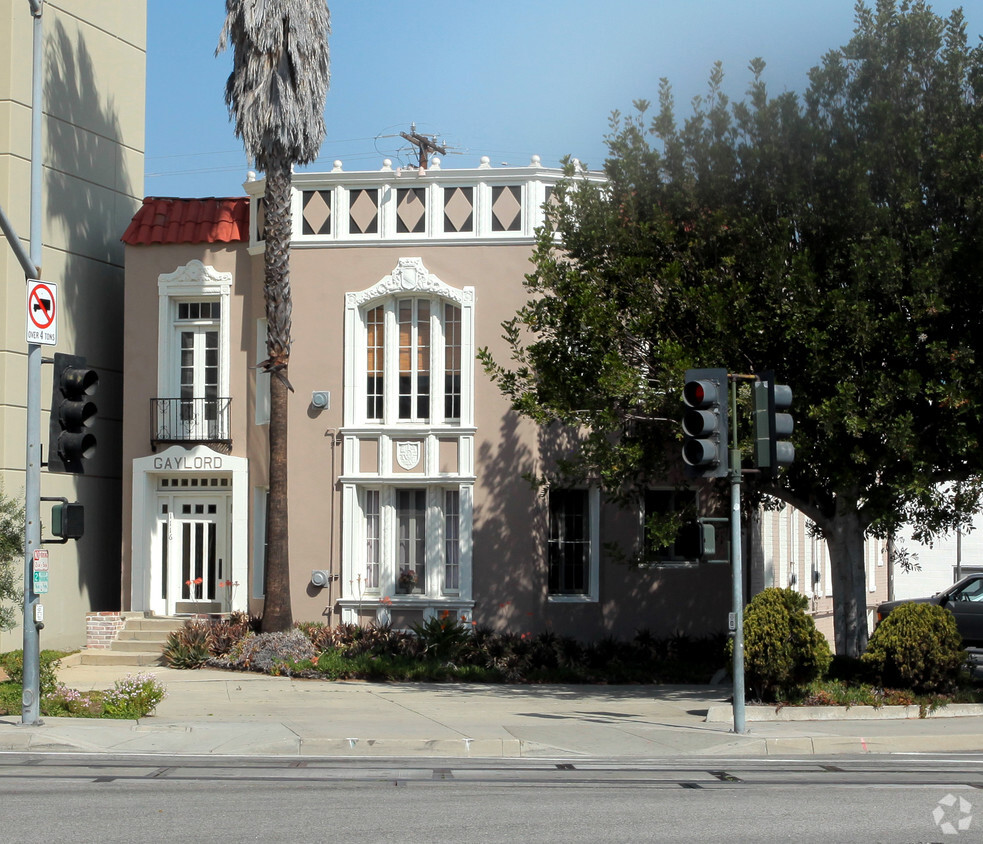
(411, 210)
(363, 212)
(459, 209)
(317, 212)
(506, 208)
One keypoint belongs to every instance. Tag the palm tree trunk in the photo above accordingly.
(277, 613)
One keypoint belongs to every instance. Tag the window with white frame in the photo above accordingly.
(373, 539)
(573, 548)
(411, 359)
(409, 372)
(397, 558)
(412, 356)
(193, 354)
(452, 540)
(262, 378)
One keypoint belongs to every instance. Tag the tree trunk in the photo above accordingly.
(846, 551)
(277, 613)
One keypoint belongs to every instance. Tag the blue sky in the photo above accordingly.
(506, 79)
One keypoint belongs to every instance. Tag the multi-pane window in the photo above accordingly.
(373, 539)
(396, 522)
(414, 359)
(452, 540)
(198, 366)
(569, 542)
(411, 530)
(452, 362)
(199, 310)
(413, 350)
(375, 325)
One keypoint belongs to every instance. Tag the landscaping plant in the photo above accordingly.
(783, 651)
(917, 647)
(189, 647)
(135, 696)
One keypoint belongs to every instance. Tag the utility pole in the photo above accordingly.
(426, 146)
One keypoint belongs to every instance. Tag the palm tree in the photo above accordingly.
(276, 96)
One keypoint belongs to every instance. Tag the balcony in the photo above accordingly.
(204, 420)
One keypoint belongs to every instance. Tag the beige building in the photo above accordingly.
(408, 495)
(93, 140)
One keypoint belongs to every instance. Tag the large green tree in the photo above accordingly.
(276, 95)
(836, 238)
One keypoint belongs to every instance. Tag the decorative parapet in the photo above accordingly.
(399, 205)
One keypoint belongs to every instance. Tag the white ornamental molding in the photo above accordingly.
(196, 273)
(408, 455)
(410, 276)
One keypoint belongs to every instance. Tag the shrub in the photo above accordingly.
(225, 632)
(13, 664)
(133, 697)
(189, 647)
(783, 651)
(270, 653)
(11, 548)
(442, 637)
(917, 647)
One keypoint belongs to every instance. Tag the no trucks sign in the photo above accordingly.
(42, 313)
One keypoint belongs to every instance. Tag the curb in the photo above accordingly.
(725, 713)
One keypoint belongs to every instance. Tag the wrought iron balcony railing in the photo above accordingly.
(191, 420)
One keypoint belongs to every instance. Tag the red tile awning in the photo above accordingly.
(176, 220)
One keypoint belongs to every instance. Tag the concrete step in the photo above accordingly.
(154, 624)
(103, 656)
(135, 646)
(160, 636)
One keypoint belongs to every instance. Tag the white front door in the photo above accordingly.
(196, 562)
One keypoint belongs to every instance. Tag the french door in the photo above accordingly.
(196, 565)
(198, 379)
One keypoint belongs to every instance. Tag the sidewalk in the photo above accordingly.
(217, 712)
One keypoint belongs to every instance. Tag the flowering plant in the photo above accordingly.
(134, 696)
(66, 701)
(407, 579)
(193, 587)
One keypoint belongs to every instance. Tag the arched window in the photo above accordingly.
(411, 352)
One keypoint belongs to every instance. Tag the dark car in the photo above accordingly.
(963, 599)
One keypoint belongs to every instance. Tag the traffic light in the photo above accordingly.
(705, 423)
(772, 425)
(68, 520)
(72, 414)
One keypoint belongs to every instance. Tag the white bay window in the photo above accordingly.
(408, 438)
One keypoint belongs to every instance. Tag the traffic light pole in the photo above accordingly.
(737, 574)
(30, 699)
